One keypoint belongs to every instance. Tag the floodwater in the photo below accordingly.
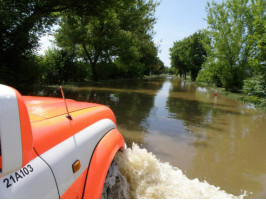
(214, 141)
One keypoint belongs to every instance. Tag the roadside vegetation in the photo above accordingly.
(95, 40)
(230, 53)
(113, 39)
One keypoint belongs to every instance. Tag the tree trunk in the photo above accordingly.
(92, 63)
(94, 72)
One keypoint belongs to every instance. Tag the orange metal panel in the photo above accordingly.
(26, 132)
(50, 132)
(51, 107)
(35, 118)
(100, 163)
(76, 189)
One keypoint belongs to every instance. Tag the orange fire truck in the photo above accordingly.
(54, 148)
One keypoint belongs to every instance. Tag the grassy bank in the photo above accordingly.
(259, 103)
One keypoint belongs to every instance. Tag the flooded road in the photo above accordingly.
(218, 140)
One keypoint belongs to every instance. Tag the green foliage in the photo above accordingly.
(257, 39)
(166, 70)
(60, 66)
(23, 22)
(255, 86)
(188, 55)
(257, 101)
(173, 71)
(27, 71)
(159, 67)
(236, 45)
(107, 70)
(177, 55)
(122, 33)
(208, 76)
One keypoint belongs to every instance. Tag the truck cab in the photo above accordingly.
(48, 151)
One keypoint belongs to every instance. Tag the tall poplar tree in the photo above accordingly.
(233, 28)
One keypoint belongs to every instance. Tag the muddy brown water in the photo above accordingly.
(218, 140)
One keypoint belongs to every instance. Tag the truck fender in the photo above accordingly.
(101, 160)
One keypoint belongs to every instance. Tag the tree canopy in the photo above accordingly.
(93, 31)
(121, 34)
(231, 52)
(188, 55)
(236, 50)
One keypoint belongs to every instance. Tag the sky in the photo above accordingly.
(176, 19)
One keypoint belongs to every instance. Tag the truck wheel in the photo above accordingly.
(115, 185)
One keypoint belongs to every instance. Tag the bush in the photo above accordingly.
(60, 66)
(255, 86)
(173, 71)
(22, 71)
(107, 71)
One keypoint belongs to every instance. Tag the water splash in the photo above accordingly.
(115, 185)
(147, 177)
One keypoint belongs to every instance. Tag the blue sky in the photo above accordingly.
(177, 19)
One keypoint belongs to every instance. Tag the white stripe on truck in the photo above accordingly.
(34, 181)
(78, 147)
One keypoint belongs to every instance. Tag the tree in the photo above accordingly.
(173, 71)
(233, 27)
(188, 55)
(90, 35)
(121, 33)
(255, 85)
(196, 54)
(23, 21)
(137, 21)
(177, 55)
(60, 66)
(256, 38)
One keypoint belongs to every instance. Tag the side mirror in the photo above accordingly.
(16, 143)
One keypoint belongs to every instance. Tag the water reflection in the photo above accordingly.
(220, 141)
(228, 139)
(131, 102)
